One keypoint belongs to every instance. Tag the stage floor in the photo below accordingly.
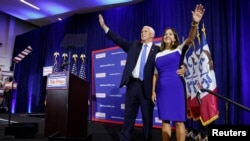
(98, 131)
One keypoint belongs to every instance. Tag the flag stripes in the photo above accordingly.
(23, 54)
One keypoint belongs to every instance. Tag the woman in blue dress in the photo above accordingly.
(169, 92)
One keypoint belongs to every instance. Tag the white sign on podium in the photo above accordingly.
(47, 70)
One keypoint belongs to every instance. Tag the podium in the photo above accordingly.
(66, 113)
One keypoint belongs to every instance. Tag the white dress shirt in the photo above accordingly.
(136, 70)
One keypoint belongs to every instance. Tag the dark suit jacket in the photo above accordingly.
(133, 51)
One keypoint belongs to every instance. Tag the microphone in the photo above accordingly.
(206, 90)
(198, 96)
(63, 65)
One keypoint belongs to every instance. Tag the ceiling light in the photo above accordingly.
(29, 4)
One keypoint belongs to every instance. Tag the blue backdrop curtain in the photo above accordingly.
(227, 29)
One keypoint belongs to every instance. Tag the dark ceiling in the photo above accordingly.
(49, 11)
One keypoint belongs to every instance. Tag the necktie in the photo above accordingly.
(143, 61)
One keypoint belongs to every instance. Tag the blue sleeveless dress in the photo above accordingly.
(170, 87)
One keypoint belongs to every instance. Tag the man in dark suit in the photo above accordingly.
(139, 88)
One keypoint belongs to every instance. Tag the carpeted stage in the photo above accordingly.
(96, 131)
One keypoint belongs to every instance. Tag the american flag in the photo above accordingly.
(64, 65)
(82, 73)
(74, 67)
(55, 66)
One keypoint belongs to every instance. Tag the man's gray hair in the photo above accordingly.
(152, 31)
